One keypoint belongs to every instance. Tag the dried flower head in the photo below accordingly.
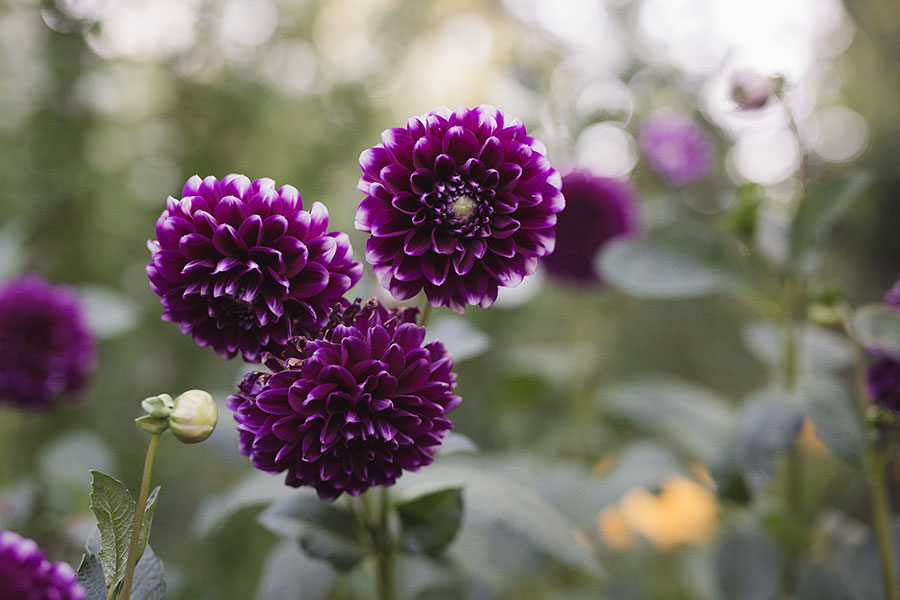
(45, 347)
(352, 407)
(242, 266)
(457, 204)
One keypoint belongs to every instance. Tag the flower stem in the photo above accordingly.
(139, 517)
(426, 313)
(376, 520)
(881, 520)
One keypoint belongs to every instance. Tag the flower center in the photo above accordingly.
(463, 207)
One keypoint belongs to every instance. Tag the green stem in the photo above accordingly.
(376, 521)
(881, 519)
(139, 517)
(426, 313)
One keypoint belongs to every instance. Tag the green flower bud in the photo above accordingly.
(158, 406)
(152, 425)
(194, 416)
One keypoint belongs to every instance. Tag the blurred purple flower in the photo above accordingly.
(45, 347)
(457, 204)
(676, 148)
(26, 574)
(883, 379)
(352, 408)
(597, 210)
(242, 267)
(892, 298)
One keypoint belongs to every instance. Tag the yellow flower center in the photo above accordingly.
(463, 207)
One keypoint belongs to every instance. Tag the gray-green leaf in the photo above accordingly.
(149, 578)
(323, 530)
(431, 521)
(748, 566)
(671, 263)
(832, 410)
(878, 327)
(819, 211)
(90, 577)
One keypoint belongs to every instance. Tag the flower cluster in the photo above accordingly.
(242, 266)
(26, 574)
(45, 347)
(597, 210)
(676, 148)
(457, 204)
(351, 407)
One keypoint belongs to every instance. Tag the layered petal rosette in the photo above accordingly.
(598, 209)
(351, 408)
(677, 148)
(46, 349)
(457, 204)
(26, 574)
(242, 266)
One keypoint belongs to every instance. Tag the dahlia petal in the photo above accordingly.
(367, 212)
(460, 143)
(409, 336)
(442, 242)
(230, 210)
(274, 227)
(491, 153)
(318, 219)
(421, 182)
(310, 281)
(435, 268)
(416, 243)
(413, 376)
(169, 231)
(406, 268)
(444, 167)
(404, 290)
(426, 151)
(510, 173)
(391, 223)
(503, 226)
(373, 160)
(463, 262)
(228, 242)
(194, 246)
(406, 203)
(396, 178)
(322, 249)
(398, 145)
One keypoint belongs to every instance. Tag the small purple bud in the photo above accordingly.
(751, 91)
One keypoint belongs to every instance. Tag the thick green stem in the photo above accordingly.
(881, 520)
(376, 516)
(139, 517)
(426, 313)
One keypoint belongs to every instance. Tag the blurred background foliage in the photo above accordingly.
(107, 107)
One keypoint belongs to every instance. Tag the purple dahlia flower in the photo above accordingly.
(883, 379)
(45, 347)
(676, 148)
(26, 574)
(242, 267)
(597, 210)
(351, 408)
(457, 204)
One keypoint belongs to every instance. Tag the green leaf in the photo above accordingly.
(113, 507)
(819, 211)
(819, 349)
(257, 489)
(149, 578)
(671, 263)
(91, 578)
(692, 417)
(819, 580)
(495, 504)
(878, 327)
(832, 410)
(748, 566)
(768, 424)
(324, 530)
(431, 521)
(144, 534)
(291, 573)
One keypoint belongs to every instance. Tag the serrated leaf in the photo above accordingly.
(671, 263)
(323, 530)
(819, 211)
(113, 507)
(878, 328)
(832, 410)
(431, 521)
(91, 578)
(149, 578)
(144, 534)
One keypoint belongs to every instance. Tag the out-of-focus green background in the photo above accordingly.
(107, 107)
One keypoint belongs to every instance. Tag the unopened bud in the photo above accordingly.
(194, 416)
(158, 406)
(751, 91)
